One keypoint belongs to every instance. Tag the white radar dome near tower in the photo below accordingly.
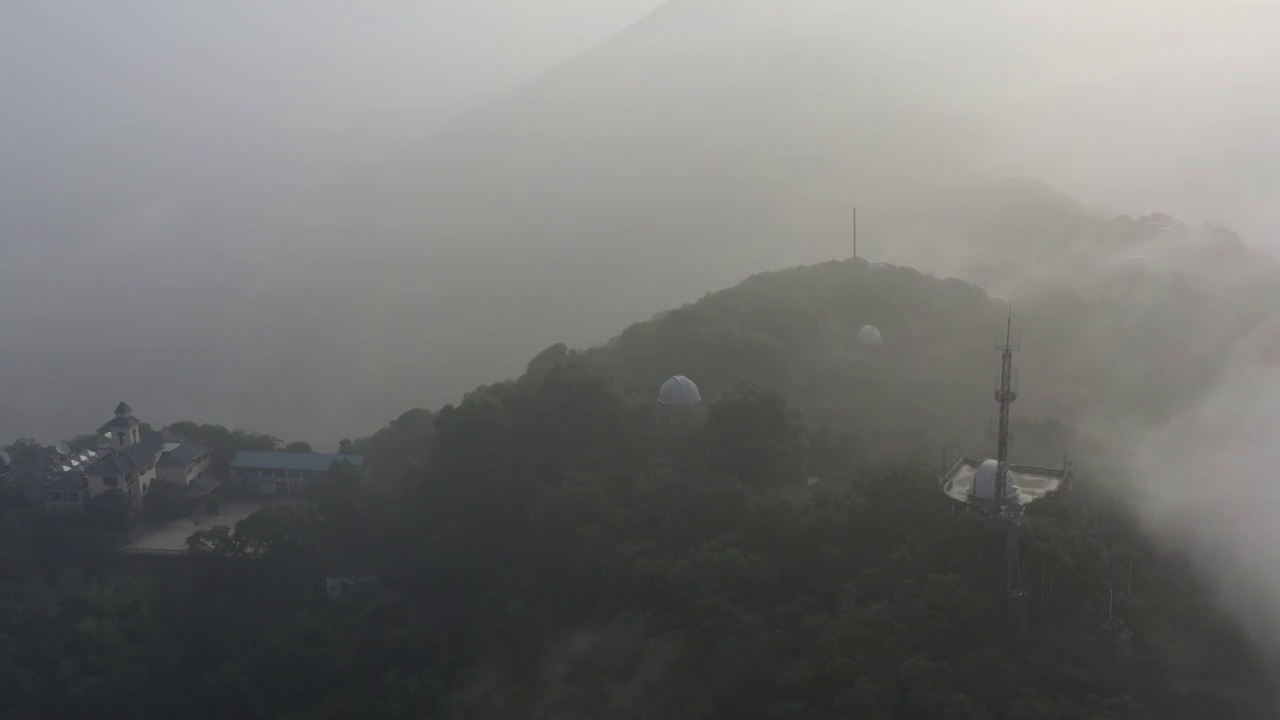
(679, 391)
(869, 336)
(984, 482)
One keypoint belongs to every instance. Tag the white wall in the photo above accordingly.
(174, 475)
(96, 486)
(184, 475)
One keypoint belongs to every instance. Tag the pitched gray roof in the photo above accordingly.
(143, 453)
(186, 452)
(125, 461)
(122, 421)
(113, 464)
(124, 409)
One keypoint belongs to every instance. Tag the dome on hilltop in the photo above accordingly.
(869, 336)
(984, 482)
(679, 391)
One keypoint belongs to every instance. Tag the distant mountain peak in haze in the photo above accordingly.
(707, 142)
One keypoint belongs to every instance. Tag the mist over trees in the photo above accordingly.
(562, 546)
(548, 541)
(705, 142)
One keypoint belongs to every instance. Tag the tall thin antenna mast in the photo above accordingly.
(1008, 508)
(1005, 396)
(855, 232)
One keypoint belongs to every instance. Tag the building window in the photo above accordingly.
(110, 481)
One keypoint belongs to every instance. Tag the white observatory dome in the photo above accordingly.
(679, 391)
(984, 482)
(869, 336)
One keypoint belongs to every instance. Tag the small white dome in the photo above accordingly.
(680, 391)
(984, 482)
(869, 336)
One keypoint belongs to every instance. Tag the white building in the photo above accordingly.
(136, 456)
(285, 473)
(184, 463)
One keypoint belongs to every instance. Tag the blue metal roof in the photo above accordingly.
(314, 462)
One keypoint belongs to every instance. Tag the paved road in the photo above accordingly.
(172, 537)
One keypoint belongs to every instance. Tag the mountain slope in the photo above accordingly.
(562, 546)
(710, 141)
(625, 557)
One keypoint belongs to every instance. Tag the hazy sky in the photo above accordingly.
(1138, 104)
(159, 162)
(147, 134)
(135, 131)
(85, 77)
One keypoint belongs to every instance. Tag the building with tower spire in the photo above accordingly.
(129, 458)
(124, 429)
(133, 457)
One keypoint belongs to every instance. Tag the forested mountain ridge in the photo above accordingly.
(560, 546)
(926, 390)
(1117, 347)
(709, 141)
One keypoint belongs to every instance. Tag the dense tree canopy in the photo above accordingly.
(223, 442)
(561, 546)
